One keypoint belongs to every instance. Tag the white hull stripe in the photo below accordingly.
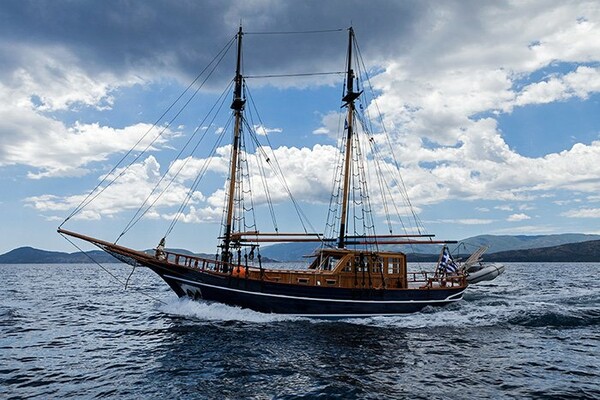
(453, 297)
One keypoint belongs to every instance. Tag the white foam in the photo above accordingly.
(462, 315)
(219, 312)
(443, 317)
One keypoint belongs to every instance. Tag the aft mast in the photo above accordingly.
(237, 106)
(349, 98)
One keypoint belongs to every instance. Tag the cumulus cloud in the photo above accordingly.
(580, 83)
(264, 131)
(330, 124)
(53, 149)
(468, 221)
(48, 80)
(440, 88)
(518, 217)
(448, 71)
(583, 213)
(135, 184)
(138, 182)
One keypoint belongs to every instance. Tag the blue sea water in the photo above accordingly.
(72, 331)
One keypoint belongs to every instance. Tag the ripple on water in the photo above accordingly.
(530, 334)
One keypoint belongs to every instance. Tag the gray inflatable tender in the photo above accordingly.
(484, 272)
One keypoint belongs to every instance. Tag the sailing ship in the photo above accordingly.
(349, 274)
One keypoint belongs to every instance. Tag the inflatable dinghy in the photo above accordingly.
(485, 272)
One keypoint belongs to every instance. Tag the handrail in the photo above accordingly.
(424, 279)
(197, 262)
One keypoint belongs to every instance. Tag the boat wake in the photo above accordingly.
(498, 305)
(450, 316)
(206, 311)
(575, 309)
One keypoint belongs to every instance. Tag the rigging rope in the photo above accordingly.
(139, 215)
(335, 198)
(280, 175)
(293, 75)
(295, 32)
(89, 198)
(418, 224)
(260, 164)
(199, 177)
(108, 272)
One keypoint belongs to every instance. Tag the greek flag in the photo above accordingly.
(447, 265)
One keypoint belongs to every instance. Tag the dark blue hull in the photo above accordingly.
(194, 281)
(269, 297)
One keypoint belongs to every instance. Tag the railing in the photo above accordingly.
(195, 262)
(414, 279)
(430, 279)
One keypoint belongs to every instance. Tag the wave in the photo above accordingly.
(558, 318)
(475, 312)
(205, 311)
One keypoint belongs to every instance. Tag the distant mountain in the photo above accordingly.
(296, 251)
(498, 243)
(288, 251)
(572, 252)
(30, 255)
(566, 247)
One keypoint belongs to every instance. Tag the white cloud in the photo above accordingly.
(438, 89)
(264, 131)
(526, 207)
(197, 215)
(537, 229)
(302, 168)
(331, 123)
(517, 217)
(452, 73)
(51, 78)
(583, 213)
(53, 149)
(133, 185)
(48, 79)
(467, 221)
(463, 66)
(580, 83)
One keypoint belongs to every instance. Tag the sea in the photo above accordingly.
(75, 331)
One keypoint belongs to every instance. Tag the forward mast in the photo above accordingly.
(237, 105)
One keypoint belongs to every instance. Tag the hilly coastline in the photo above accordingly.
(495, 243)
(30, 255)
(514, 249)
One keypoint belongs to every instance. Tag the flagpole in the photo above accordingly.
(437, 266)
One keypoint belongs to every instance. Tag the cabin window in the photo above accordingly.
(347, 267)
(365, 266)
(329, 263)
(331, 282)
(394, 265)
(376, 267)
(303, 281)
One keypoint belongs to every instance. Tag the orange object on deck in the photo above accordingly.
(239, 272)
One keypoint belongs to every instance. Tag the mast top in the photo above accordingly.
(238, 102)
(351, 95)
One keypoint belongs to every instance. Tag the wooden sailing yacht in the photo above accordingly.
(349, 275)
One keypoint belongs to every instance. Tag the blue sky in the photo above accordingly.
(493, 109)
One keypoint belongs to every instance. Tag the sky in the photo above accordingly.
(492, 109)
